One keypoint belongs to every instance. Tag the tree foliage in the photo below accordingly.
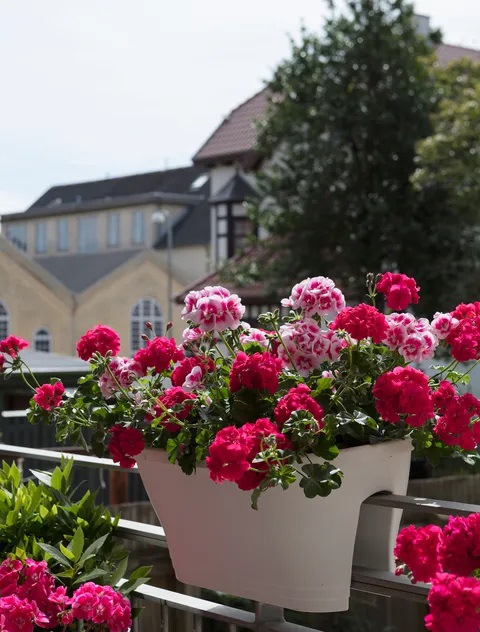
(448, 188)
(346, 112)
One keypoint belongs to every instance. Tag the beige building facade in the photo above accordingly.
(113, 252)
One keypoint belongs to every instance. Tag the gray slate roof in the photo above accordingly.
(172, 185)
(171, 181)
(237, 189)
(79, 271)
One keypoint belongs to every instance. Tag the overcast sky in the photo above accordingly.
(96, 88)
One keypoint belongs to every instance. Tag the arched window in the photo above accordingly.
(42, 340)
(4, 322)
(146, 310)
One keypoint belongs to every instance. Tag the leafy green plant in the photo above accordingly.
(40, 520)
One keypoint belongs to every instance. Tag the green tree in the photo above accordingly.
(346, 112)
(448, 187)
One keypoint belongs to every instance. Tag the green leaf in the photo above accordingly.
(55, 554)
(77, 544)
(94, 548)
(119, 572)
(140, 576)
(67, 552)
(89, 575)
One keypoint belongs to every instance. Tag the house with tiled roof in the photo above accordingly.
(117, 251)
(230, 155)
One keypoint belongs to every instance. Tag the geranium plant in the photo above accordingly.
(60, 566)
(32, 599)
(255, 403)
(449, 559)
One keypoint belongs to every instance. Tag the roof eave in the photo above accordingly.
(248, 159)
(157, 197)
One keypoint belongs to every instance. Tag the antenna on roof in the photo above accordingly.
(165, 163)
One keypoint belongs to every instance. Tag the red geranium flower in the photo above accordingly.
(399, 289)
(100, 339)
(158, 354)
(404, 393)
(49, 396)
(125, 444)
(12, 345)
(258, 371)
(362, 321)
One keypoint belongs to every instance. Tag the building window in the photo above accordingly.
(87, 234)
(113, 230)
(146, 310)
(138, 227)
(62, 234)
(234, 229)
(4, 322)
(40, 237)
(42, 340)
(17, 234)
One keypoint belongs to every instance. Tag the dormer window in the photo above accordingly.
(199, 182)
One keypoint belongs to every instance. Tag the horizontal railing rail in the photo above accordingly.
(265, 618)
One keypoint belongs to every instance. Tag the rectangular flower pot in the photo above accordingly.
(293, 552)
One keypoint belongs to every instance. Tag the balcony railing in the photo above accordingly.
(265, 618)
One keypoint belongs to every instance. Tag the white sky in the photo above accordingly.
(96, 88)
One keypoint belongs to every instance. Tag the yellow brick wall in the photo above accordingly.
(32, 304)
(110, 301)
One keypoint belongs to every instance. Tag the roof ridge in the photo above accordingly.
(130, 175)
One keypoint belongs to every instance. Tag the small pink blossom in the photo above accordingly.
(443, 325)
(414, 339)
(316, 296)
(304, 344)
(213, 309)
(123, 372)
(253, 334)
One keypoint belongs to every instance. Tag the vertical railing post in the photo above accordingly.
(266, 615)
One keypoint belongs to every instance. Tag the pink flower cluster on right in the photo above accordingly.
(447, 558)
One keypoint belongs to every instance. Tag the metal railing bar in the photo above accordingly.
(196, 606)
(56, 456)
(211, 610)
(141, 532)
(424, 505)
(387, 584)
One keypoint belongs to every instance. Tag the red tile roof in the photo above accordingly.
(447, 53)
(234, 140)
(236, 135)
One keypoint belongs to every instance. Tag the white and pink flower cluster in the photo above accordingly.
(121, 373)
(414, 339)
(213, 309)
(316, 296)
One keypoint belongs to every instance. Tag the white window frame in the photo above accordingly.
(146, 309)
(42, 338)
(4, 321)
